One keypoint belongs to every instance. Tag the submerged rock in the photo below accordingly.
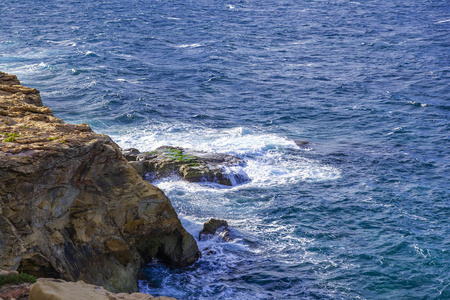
(192, 165)
(301, 143)
(57, 289)
(214, 226)
(71, 206)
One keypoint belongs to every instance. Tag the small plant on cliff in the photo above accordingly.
(16, 278)
(11, 137)
(52, 138)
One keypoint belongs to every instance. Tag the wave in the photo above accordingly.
(195, 45)
(271, 160)
(443, 21)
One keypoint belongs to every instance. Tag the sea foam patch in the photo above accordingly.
(270, 159)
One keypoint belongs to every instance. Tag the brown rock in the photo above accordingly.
(212, 226)
(191, 165)
(70, 205)
(57, 289)
(8, 79)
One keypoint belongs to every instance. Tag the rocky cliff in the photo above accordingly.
(70, 205)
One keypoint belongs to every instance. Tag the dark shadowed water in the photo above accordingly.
(362, 213)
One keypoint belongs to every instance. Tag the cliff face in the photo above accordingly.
(70, 205)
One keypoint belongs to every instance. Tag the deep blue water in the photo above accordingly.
(362, 213)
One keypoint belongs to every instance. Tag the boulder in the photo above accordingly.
(192, 165)
(57, 289)
(71, 206)
(215, 225)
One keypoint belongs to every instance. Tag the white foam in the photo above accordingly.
(395, 130)
(134, 81)
(443, 21)
(25, 71)
(271, 159)
(238, 141)
(64, 43)
(189, 45)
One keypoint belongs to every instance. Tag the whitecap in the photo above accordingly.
(395, 130)
(90, 53)
(189, 45)
(443, 21)
(418, 104)
(64, 43)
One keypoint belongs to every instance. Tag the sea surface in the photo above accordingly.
(360, 212)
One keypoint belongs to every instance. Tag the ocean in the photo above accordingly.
(362, 211)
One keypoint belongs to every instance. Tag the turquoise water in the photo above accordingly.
(361, 213)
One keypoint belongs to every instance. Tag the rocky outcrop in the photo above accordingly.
(192, 165)
(70, 205)
(57, 289)
(214, 226)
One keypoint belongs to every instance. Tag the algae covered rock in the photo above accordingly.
(191, 165)
(70, 205)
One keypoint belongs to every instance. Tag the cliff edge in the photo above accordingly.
(70, 205)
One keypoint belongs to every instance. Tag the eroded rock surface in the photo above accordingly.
(71, 206)
(57, 289)
(192, 165)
